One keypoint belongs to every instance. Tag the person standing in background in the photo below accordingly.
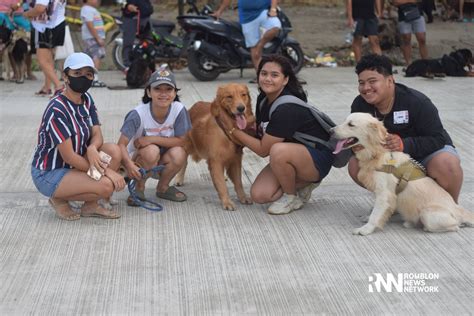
(134, 13)
(49, 26)
(253, 15)
(411, 21)
(362, 15)
(93, 35)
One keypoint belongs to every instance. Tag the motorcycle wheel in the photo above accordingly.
(295, 54)
(117, 57)
(197, 67)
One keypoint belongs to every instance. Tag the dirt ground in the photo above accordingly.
(323, 28)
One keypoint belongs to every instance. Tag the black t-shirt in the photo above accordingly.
(286, 120)
(363, 9)
(414, 118)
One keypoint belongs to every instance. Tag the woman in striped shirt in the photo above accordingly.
(69, 142)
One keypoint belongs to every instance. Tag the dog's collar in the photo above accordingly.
(235, 141)
(407, 171)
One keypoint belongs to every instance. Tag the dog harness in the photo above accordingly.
(407, 171)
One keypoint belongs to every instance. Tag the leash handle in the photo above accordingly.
(138, 23)
(146, 204)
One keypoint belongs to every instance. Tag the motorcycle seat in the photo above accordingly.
(166, 26)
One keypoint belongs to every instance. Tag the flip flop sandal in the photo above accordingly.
(141, 197)
(43, 93)
(171, 195)
(60, 206)
(108, 214)
(98, 84)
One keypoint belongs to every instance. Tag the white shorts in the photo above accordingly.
(252, 30)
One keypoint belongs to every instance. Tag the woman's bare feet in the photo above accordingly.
(63, 210)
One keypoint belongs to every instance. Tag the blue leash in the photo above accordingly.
(147, 204)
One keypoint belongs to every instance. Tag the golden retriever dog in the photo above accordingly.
(422, 201)
(210, 141)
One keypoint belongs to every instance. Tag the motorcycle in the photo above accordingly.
(155, 43)
(217, 46)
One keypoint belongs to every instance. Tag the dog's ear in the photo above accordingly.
(377, 133)
(215, 105)
(248, 106)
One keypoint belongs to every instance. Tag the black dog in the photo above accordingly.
(453, 65)
(5, 41)
(139, 72)
(142, 65)
(17, 57)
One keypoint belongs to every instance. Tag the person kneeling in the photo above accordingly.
(153, 134)
(69, 142)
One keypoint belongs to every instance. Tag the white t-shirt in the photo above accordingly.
(140, 122)
(91, 14)
(42, 22)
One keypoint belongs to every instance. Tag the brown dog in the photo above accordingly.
(208, 140)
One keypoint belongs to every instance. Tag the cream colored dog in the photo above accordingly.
(422, 201)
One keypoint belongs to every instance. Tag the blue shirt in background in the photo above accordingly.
(249, 10)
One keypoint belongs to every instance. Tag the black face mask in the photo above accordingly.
(79, 84)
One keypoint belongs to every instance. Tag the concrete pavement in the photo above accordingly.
(195, 258)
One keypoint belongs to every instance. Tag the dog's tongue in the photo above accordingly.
(339, 146)
(241, 121)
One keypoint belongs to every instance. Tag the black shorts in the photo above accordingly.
(50, 38)
(366, 27)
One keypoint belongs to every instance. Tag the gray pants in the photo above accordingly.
(129, 29)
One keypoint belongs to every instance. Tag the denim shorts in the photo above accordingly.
(415, 26)
(47, 181)
(446, 149)
(322, 159)
(251, 30)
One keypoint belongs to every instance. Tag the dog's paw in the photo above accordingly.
(364, 230)
(408, 225)
(245, 200)
(228, 205)
(179, 183)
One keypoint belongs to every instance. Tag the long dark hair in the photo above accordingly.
(293, 85)
(146, 98)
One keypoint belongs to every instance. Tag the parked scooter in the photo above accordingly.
(218, 45)
(155, 43)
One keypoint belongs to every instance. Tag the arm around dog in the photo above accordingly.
(259, 146)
